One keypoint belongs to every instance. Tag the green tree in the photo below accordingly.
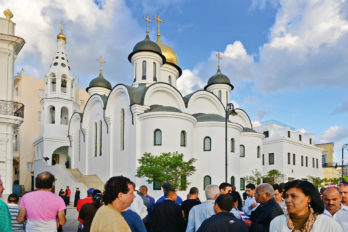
(274, 176)
(167, 167)
(317, 181)
(255, 178)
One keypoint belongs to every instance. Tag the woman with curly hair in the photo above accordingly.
(305, 210)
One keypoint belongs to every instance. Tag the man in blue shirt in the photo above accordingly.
(223, 220)
(148, 219)
(203, 211)
(166, 187)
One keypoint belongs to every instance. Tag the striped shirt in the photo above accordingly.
(14, 209)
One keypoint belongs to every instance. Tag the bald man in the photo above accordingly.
(344, 192)
(333, 207)
(268, 209)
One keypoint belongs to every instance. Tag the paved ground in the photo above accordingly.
(71, 220)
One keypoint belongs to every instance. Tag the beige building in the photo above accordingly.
(329, 169)
(30, 90)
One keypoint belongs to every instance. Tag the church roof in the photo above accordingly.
(147, 45)
(136, 94)
(99, 81)
(246, 129)
(209, 117)
(160, 108)
(219, 78)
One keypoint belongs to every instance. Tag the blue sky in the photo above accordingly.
(288, 60)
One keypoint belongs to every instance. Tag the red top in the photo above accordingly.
(67, 192)
(80, 203)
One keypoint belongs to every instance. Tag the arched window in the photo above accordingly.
(242, 151)
(157, 137)
(183, 138)
(206, 181)
(52, 115)
(232, 145)
(258, 151)
(64, 116)
(219, 93)
(242, 184)
(232, 180)
(207, 144)
(144, 70)
(63, 84)
(122, 129)
(226, 97)
(53, 83)
(95, 139)
(100, 137)
(154, 72)
(135, 71)
(170, 80)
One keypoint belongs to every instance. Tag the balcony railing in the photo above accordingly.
(11, 108)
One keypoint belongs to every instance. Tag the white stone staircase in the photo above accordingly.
(90, 181)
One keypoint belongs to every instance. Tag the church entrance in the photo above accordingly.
(60, 157)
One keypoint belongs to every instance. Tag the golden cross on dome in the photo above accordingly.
(219, 58)
(101, 64)
(159, 22)
(147, 24)
(61, 26)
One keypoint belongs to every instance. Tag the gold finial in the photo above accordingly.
(101, 64)
(147, 24)
(61, 35)
(219, 58)
(159, 22)
(8, 14)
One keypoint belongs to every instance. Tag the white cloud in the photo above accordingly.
(91, 32)
(333, 134)
(308, 46)
(189, 81)
(256, 123)
(235, 63)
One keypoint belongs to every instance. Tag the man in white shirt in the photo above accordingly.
(344, 193)
(250, 203)
(138, 205)
(200, 212)
(333, 207)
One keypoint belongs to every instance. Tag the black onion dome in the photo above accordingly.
(147, 45)
(219, 78)
(99, 81)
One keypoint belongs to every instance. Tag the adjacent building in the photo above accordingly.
(11, 112)
(289, 151)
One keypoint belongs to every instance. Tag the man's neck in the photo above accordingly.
(345, 203)
(116, 204)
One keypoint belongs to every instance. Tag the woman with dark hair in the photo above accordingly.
(305, 210)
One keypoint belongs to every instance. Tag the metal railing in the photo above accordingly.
(11, 108)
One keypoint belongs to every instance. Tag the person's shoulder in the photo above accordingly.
(3, 204)
(279, 219)
(328, 221)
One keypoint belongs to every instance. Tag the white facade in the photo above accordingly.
(61, 99)
(11, 113)
(117, 127)
(289, 151)
(115, 130)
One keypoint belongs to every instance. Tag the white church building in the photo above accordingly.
(119, 124)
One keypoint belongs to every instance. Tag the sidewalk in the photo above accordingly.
(71, 220)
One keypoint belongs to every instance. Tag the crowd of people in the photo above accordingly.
(293, 206)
